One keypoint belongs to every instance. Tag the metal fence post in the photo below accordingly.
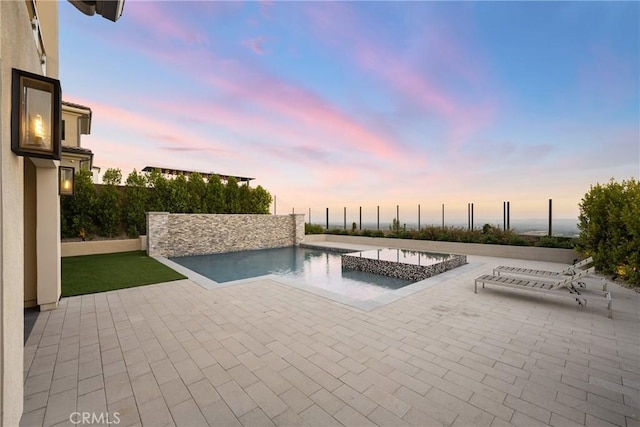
(472, 216)
(327, 218)
(504, 216)
(345, 217)
(550, 210)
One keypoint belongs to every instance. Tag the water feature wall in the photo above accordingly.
(173, 235)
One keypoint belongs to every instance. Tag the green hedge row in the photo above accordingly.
(113, 210)
(487, 235)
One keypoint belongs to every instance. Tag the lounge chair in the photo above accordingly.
(555, 275)
(564, 287)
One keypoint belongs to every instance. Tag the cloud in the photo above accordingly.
(607, 80)
(265, 7)
(107, 117)
(255, 90)
(164, 21)
(295, 107)
(192, 149)
(256, 44)
(424, 74)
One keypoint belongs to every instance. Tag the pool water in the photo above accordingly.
(313, 267)
(404, 256)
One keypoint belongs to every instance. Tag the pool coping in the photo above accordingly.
(365, 305)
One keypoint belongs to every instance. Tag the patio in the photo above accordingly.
(262, 354)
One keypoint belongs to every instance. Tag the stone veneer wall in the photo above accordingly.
(172, 235)
(400, 270)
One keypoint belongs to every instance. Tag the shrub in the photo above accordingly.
(179, 201)
(214, 197)
(404, 234)
(232, 196)
(516, 240)
(337, 231)
(260, 201)
(609, 225)
(79, 210)
(555, 242)
(244, 198)
(109, 209)
(159, 194)
(136, 199)
(395, 226)
(196, 188)
(313, 229)
(490, 239)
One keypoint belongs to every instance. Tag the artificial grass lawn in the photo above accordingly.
(100, 273)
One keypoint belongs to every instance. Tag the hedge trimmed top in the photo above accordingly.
(113, 210)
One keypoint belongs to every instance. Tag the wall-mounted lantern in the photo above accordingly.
(66, 181)
(36, 112)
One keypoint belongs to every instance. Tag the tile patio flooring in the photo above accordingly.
(263, 353)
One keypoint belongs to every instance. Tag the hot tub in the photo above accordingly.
(402, 263)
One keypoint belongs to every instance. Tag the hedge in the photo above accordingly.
(113, 210)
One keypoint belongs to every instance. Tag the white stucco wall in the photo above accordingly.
(103, 247)
(17, 50)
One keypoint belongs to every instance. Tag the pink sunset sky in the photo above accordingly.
(349, 104)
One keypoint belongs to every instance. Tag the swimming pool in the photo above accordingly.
(314, 267)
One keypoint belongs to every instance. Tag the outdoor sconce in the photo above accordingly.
(66, 181)
(36, 110)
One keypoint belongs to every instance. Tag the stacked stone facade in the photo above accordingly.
(173, 235)
(400, 270)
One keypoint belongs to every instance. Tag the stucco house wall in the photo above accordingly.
(26, 199)
(17, 49)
